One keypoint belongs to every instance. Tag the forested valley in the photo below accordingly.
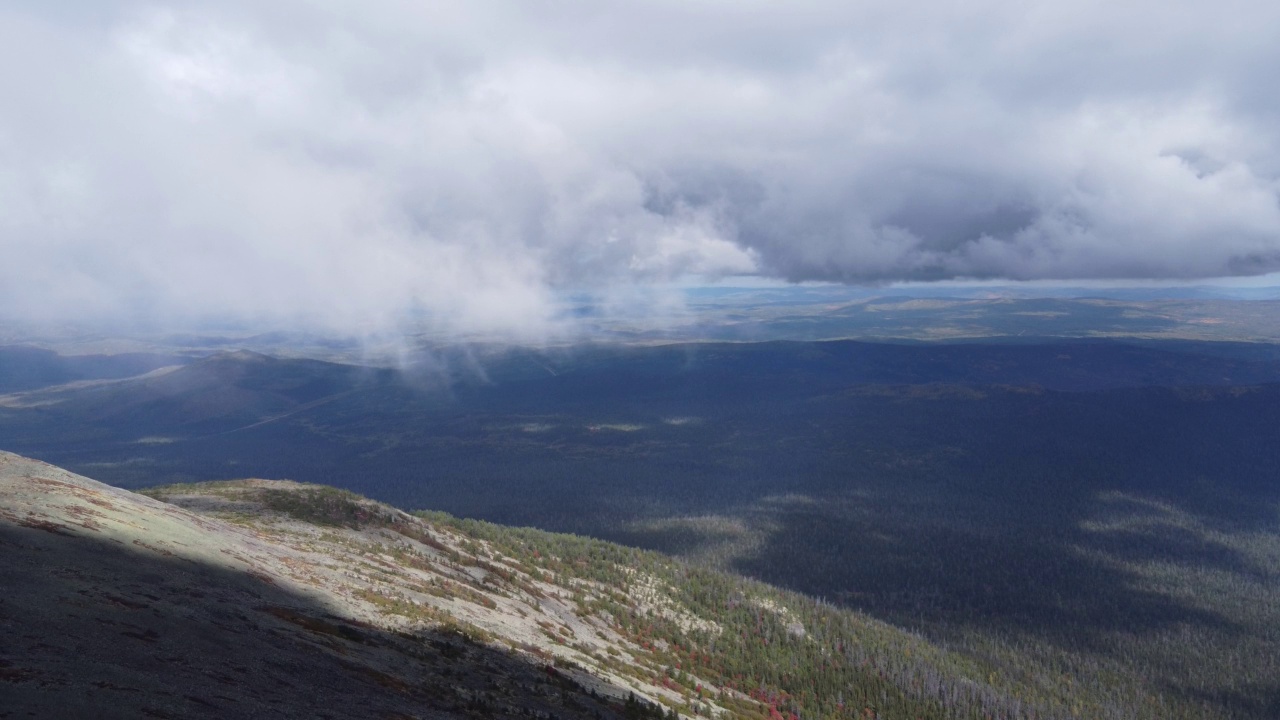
(1070, 514)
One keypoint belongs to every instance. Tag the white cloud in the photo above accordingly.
(348, 164)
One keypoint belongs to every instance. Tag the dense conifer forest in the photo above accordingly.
(1087, 520)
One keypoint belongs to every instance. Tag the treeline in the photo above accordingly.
(765, 651)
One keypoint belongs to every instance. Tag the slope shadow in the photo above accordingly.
(1153, 583)
(91, 627)
(905, 565)
(1250, 701)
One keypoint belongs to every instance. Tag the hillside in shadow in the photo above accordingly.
(116, 606)
(95, 629)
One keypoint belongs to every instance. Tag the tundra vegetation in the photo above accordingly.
(700, 641)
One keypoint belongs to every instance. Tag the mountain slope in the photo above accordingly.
(117, 605)
(279, 599)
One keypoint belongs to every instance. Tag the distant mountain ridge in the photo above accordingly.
(23, 367)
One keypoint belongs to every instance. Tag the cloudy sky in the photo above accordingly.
(467, 161)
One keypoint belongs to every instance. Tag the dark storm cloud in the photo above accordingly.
(347, 163)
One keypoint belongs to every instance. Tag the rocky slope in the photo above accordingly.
(276, 599)
(214, 605)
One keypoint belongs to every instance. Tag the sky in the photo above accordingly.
(349, 165)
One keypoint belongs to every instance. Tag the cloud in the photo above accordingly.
(351, 165)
